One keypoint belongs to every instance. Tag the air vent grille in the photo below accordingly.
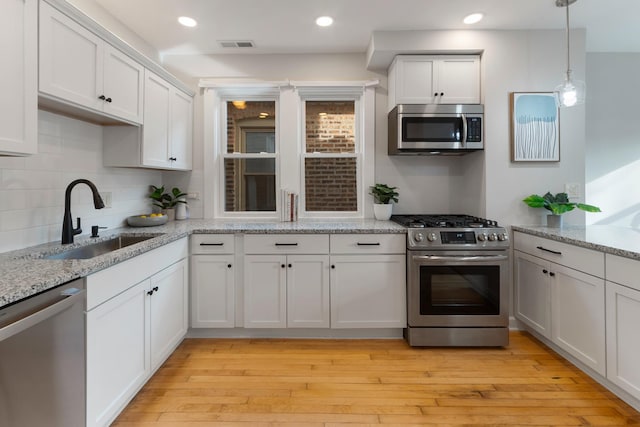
(236, 43)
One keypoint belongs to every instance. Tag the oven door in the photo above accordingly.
(451, 289)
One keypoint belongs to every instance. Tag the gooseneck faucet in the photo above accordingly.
(67, 223)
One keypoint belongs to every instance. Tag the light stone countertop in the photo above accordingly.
(622, 241)
(24, 272)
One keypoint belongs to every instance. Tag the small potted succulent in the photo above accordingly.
(557, 205)
(167, 202)
(383, 196)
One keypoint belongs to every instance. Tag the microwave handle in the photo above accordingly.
(464, 129)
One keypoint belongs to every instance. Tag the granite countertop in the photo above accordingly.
(621, 241)
(25, 272)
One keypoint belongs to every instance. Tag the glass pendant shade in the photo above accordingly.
(570, 92)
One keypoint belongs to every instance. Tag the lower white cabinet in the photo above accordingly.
(212, 291)
(133, 324)
(286, 291)
(368, 291)
(563, 304)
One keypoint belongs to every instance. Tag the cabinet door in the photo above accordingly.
(169, 313)
(414, 78)
(458, 80)
(368, 291)
(117, 353)
(19, 85)
(577, 315)
(623, 345)
(71, 60)
(308, 291)
(181, 129)
(265, 291)
(532, 292)
(156, 150)
(212, 291)
(123, 85)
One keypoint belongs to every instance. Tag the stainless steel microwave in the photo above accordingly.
(430, 129)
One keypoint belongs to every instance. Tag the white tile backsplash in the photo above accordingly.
(32, 188)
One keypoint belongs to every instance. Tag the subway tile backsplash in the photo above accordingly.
(32, 188)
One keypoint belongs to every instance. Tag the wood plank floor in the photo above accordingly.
(276, 382)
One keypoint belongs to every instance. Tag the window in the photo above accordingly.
(305, 138)
(330, 159)
(250, 157)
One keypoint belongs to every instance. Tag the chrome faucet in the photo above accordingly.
(67, 223)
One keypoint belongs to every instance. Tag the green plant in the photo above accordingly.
(166, 200)
(557, 204)
(383, 194)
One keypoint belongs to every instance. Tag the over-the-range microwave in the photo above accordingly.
(431, 129)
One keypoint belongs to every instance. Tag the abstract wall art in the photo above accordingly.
(535, 127)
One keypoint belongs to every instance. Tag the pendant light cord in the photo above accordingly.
(568, 55)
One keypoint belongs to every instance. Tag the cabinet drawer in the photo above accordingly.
(368, 243)
(578, 258)
(625, 271)
(212, 244)
(286, 243)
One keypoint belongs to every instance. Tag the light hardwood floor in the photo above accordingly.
(275, 382)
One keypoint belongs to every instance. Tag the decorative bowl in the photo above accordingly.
(146, 220)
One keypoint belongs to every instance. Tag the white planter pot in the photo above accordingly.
(382, 212)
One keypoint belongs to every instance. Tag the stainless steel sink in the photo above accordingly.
(100, 248)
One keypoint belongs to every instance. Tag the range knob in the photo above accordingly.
(493, 237)
(482, 237)
(418, 237)
(502, 237)
(431, 237)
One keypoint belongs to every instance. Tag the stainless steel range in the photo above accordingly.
(457, 281)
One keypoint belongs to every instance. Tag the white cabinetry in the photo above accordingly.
(78, 68)
(368, 288)
(19, 85)
(433, 79)
(623, 318)
(165, 140)
(136, 316)
(559, 293)
(212, 281)
(286, 281)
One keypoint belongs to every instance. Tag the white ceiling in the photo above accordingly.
(287, 26)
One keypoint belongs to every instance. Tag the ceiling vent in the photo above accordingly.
(236, 43)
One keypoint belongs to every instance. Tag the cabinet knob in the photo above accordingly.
(552, 274)
(228, 265)
(108, 100)
(289, 265)
(333, 266)
(544, 271)
(173, 159)
(155, 289)
(102, 97)
(283, 266)
(150, 292)
(435, 94)
(441, 93)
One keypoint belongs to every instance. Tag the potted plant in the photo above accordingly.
(557, 205)
(383, 196)
(167, 201)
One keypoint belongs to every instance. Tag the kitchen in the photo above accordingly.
(485, 183)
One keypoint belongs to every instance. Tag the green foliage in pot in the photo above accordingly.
(557, 204)
(383, 194)
(166, 200)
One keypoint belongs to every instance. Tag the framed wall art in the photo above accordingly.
(535, 127)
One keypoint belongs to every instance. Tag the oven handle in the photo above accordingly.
(471, 258)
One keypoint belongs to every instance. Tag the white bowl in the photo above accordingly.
(148, 221)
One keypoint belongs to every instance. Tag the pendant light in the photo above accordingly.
(571, 92)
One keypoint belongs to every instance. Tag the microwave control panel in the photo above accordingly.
(474, 129)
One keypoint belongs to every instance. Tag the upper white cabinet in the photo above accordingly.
(80, 69)
(19, 85)
(165, 140)
(434, 79)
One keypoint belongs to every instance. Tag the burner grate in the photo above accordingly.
(443, 221)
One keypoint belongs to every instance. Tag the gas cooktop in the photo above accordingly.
(443, 221)
(453, 232)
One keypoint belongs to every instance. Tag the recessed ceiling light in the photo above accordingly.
(187, 22)
(473, 18)
(324, 21)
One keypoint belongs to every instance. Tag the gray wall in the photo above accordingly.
(613, 138)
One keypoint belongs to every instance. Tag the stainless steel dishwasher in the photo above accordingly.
(42, 359)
